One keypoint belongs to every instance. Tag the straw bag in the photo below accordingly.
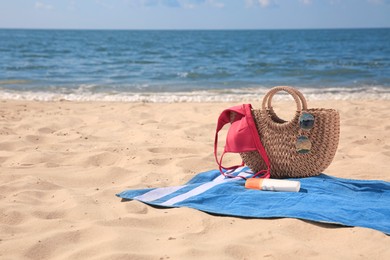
(304, 146)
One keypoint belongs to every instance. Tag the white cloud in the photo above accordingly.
(261, 3)
(41, 5)
(137, 3)
(306, 2)
(194, 3)
(264, 3)
(216, 3)
(188, 4)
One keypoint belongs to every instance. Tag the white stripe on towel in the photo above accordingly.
(200, 189)
(158, 193)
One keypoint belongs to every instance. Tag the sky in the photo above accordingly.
(194, 14)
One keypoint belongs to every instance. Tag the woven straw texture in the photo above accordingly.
(279, 139)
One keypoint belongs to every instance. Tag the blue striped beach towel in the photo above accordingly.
(361, 203)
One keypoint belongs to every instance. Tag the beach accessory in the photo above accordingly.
(242, 136)
(304, 146)
(272, 184)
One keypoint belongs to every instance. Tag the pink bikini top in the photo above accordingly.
(242, 136)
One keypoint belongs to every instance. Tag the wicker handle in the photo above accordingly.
(298, 97)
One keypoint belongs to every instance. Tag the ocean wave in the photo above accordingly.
(220, 95)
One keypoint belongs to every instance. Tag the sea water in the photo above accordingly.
(192, 65)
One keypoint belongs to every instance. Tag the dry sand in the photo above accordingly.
(63, 162)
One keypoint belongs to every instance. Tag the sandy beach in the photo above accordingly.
(61, 164)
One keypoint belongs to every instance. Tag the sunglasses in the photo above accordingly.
(306, 122)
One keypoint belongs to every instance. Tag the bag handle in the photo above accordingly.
(297, 95)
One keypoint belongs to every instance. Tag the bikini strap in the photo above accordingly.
(224, 119)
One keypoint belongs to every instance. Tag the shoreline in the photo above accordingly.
(83, 94)
(62, 162)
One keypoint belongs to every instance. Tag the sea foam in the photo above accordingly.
(227, 95)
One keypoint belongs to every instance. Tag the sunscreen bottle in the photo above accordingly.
(272, 184)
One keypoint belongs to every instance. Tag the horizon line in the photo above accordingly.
(192, 29)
